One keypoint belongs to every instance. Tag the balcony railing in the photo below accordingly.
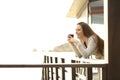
(80, 69)
(55, 68)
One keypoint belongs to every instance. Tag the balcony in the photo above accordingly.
(61, 68)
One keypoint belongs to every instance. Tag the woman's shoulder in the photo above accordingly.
(93, 37)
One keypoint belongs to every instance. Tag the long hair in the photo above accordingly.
(87, 31)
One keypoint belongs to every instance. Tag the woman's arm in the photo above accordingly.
(91, 46)
(73, 43)
(76, 50)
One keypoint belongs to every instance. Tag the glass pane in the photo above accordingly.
(97, 12)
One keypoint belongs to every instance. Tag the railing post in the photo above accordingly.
(47, 69)
(89, 73)
(44, 76)
(63, 70)
(51, 61)
(73, 71)
(56, 61)
(104, 72)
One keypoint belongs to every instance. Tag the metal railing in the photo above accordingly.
(55, 68)
(80, 70)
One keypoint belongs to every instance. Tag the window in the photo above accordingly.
(98, 20)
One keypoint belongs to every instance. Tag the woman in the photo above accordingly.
(89, 42)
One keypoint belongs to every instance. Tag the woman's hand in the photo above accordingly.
(71, 40)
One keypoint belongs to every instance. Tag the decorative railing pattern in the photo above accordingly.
(80, 70)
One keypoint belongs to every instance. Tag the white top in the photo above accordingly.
(82, 51)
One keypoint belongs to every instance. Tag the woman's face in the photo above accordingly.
(79, 31)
